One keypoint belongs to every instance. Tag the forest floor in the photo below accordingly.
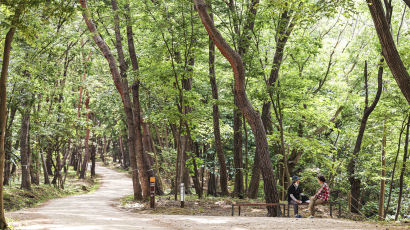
(98, 210)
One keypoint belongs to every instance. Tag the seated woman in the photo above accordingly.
(294, 195)
(320, 197)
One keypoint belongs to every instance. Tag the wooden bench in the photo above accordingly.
(330, 203)
(239, 205)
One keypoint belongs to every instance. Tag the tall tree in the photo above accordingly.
(382, 174)
(24, 150)
(215, 116)
(3, 100)
(389, 50)
(403, 170)
(244, 104)
(123, 91)
(355, 182)
(86, 139)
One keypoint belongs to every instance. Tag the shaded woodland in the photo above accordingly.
(231, 98)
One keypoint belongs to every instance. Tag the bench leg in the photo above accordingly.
(233, 210)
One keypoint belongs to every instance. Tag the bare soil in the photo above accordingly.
(98, 210)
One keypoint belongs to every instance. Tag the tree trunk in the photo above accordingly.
(45, 173)
(158, 185)
(252, 116)
(93, 153)
(284, 30)
(86, 139)
(254, 183)
(403, 170)
(49, 161)
(389, 50)
(7, 145)
(24, 151)
(246, 155)
(212, 178)
(383, 175)
(197, 182)
(33, 163)
(101, 149)
(121, 149)
(353, 179)
(237, 153)
(394, 167)
(215, 114)
(143, 160)
(57, 169)
(3, 114)
(122, 88)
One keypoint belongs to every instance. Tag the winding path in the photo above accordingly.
(97, 211)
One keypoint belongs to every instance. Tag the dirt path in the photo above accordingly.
(97, 211)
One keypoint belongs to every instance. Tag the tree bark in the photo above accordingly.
(24, 151)
(86, 139)
(7, 145)
(215, 116)
(245, 131)
(252, 116)
(45, 173)
(383, 175)
(3, 114)
(93, 153)
(237, 153)
(33, 163)
(407, 3)
(284, 30)
(394, 167)
(403, 170)
(354, 181)
(143, 162)
(49, 161)
(389, 49)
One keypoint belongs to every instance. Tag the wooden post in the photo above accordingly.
(349, 200)
(152, 192)
(182, 192)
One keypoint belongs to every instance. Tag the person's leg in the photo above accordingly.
(314, 203)
(312, 206)
(319, 202)
(295, 207)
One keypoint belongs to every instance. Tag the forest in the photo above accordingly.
(229, 97)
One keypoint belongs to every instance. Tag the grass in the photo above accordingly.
(10, 226)
(16, 198)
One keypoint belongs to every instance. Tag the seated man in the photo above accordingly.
(294, 195)
(320, 197)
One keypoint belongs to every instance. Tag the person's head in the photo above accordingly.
(295, 180)
(321, 179)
